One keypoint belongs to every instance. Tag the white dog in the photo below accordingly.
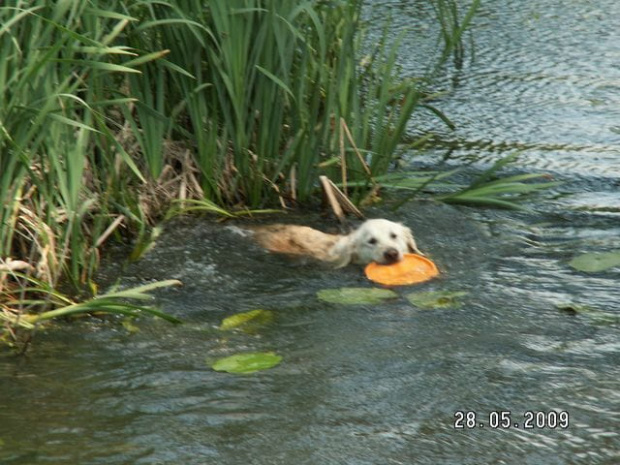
(380, 241)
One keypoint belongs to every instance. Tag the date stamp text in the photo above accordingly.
(505, 420)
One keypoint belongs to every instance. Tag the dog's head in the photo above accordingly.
(380, 241)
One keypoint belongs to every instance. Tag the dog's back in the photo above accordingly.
(296, 240)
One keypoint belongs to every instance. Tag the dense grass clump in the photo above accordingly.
(269, 94)
(110, 110)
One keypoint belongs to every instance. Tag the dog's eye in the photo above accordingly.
(372, 241)
(393, 235)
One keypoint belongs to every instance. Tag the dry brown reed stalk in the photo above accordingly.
(178, 181)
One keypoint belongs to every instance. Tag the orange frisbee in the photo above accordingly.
(410, 270)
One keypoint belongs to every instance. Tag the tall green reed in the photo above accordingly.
(268, 90)
(61, 159)
(265, 94)
(453, 25)
(58, 66)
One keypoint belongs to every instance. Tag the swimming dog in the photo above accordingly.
(379, 240)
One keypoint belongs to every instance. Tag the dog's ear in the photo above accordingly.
(411, 245)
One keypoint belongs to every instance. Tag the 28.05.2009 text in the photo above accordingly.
(505, 419)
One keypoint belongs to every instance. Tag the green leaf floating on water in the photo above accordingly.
(355, 295)
(248, 362)
(436, 299)
(597, 316)
(593, 262)
(247, 321)
(130, 327)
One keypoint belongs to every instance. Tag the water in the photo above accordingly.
(544, 77)
(379, 384)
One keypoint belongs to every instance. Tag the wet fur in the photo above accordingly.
(377, 240)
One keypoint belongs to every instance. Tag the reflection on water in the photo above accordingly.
(368, 384)
(543, 78)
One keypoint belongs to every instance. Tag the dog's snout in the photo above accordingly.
(391, 255)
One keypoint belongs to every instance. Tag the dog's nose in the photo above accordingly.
(390, 255)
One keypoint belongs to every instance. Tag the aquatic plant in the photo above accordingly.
(271, 94)
(17, 315)
(246, 362)
(355, 295)
(490, 190)
(63, 164)
(111, 111)
(596, 261)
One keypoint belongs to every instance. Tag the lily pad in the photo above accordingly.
(130, 327)
(247, 321)
(574, 309)
(596, 316)
(355, 295)
(248, 362)
(436, 299)
(594, 262)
